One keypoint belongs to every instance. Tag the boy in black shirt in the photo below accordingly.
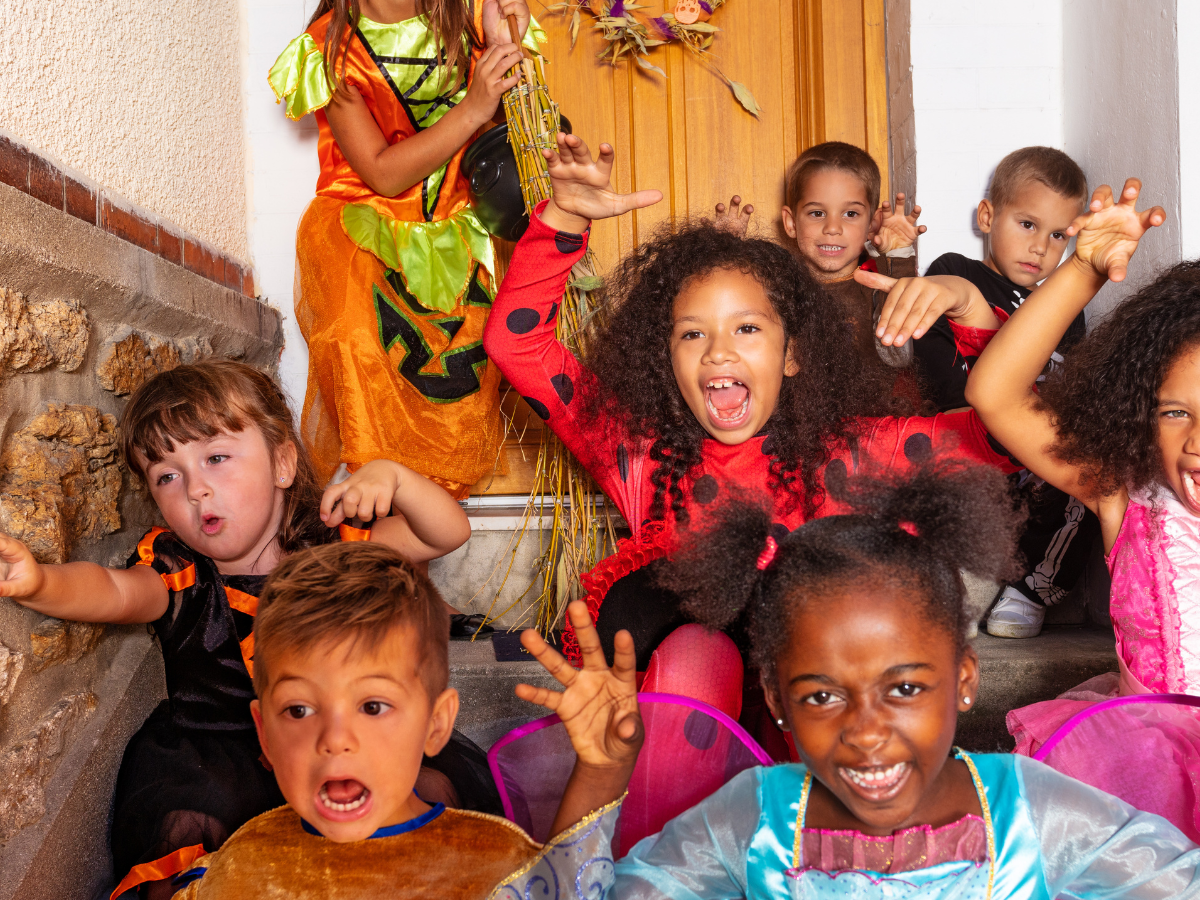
(1034, 195)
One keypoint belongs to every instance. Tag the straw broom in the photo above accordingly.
(581, 531)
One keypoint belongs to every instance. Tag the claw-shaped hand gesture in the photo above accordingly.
(1107, 235)
(735, 218)
(599, 705)
(582, 189)
(891, 229)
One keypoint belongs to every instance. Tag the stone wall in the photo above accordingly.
(85, 317)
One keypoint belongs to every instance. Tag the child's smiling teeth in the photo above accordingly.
(830, 248)
(1190, 487)
(876, 779)
(344, 807)
(733, 396)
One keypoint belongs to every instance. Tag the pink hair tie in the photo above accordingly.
(910, 527)
(768, 554)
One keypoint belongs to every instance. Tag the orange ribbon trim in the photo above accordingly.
(248, 604)
(241, 601)
(158, 869)
(175, 581)
(145, 547)
(350, 533)
(247, 648)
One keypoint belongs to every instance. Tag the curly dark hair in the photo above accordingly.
(964, 517)
(1105, 396)
(630, 355)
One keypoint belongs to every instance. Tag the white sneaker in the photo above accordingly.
(1016, 616)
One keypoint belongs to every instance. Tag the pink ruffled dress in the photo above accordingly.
(1155, 609)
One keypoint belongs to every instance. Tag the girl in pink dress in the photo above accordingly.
(1118, 427)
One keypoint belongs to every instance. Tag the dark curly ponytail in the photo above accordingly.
(919, 529)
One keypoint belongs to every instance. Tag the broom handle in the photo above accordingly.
(514, 30)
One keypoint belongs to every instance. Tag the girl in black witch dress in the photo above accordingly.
(215, 444)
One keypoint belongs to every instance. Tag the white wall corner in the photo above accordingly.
(1121, 64)
(1188, 34)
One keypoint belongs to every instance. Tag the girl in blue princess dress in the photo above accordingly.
(859, 626)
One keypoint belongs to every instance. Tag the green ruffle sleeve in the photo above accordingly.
(299, 77)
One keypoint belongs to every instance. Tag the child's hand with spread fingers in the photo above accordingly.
(599, 709)
(1107, 235)
(582, 187)
(892, 229)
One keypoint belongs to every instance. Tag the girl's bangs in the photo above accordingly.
(188, 420)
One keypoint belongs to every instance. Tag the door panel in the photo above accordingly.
(817, 69)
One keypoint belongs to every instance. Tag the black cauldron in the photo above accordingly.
(494, 185)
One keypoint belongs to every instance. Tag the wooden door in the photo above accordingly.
(817, 69)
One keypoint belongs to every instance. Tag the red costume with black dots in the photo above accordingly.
(520, 339)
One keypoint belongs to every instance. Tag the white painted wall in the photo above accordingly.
(1188, 29)
(1122, 115)
(140, 96)
(987, 80)
(282, 171)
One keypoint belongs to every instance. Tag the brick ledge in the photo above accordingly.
(30, 172)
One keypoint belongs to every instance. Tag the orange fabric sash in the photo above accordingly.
(158, 869)
(350, 533)
(175, 581)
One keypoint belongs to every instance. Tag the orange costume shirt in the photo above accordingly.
(392, 292)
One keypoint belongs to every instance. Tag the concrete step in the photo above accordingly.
(1015, 673)
(1012, 673)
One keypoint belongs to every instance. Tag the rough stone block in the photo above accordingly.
(130, 358)
(61, 481)
(37, 335)
(27, 765)
(55, 641)
(11, 664)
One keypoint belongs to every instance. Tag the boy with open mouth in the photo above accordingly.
(351, 673)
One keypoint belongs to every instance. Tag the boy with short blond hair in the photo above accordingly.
(1035, 194)
(352, 673)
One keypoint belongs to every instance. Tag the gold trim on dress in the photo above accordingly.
(553, 842)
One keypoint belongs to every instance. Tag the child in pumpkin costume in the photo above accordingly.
(351, 676)
(395, 273)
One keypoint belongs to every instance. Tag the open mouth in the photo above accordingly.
(831, 249)
(343, 799)
(1191, 488)
(210, 524)
(876, 783)
(728, 402)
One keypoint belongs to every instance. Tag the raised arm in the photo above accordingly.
(1001, 385)
(413, 516)
(599, 709)
(80, 591)
(520, 334)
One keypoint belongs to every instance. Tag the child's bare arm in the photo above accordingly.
(413, 516)
(80, 591)
(914, 304)
(600, 711)
(391, 169)
(1001, 385)
(582, 187)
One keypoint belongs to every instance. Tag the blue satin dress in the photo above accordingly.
(1048, 835)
